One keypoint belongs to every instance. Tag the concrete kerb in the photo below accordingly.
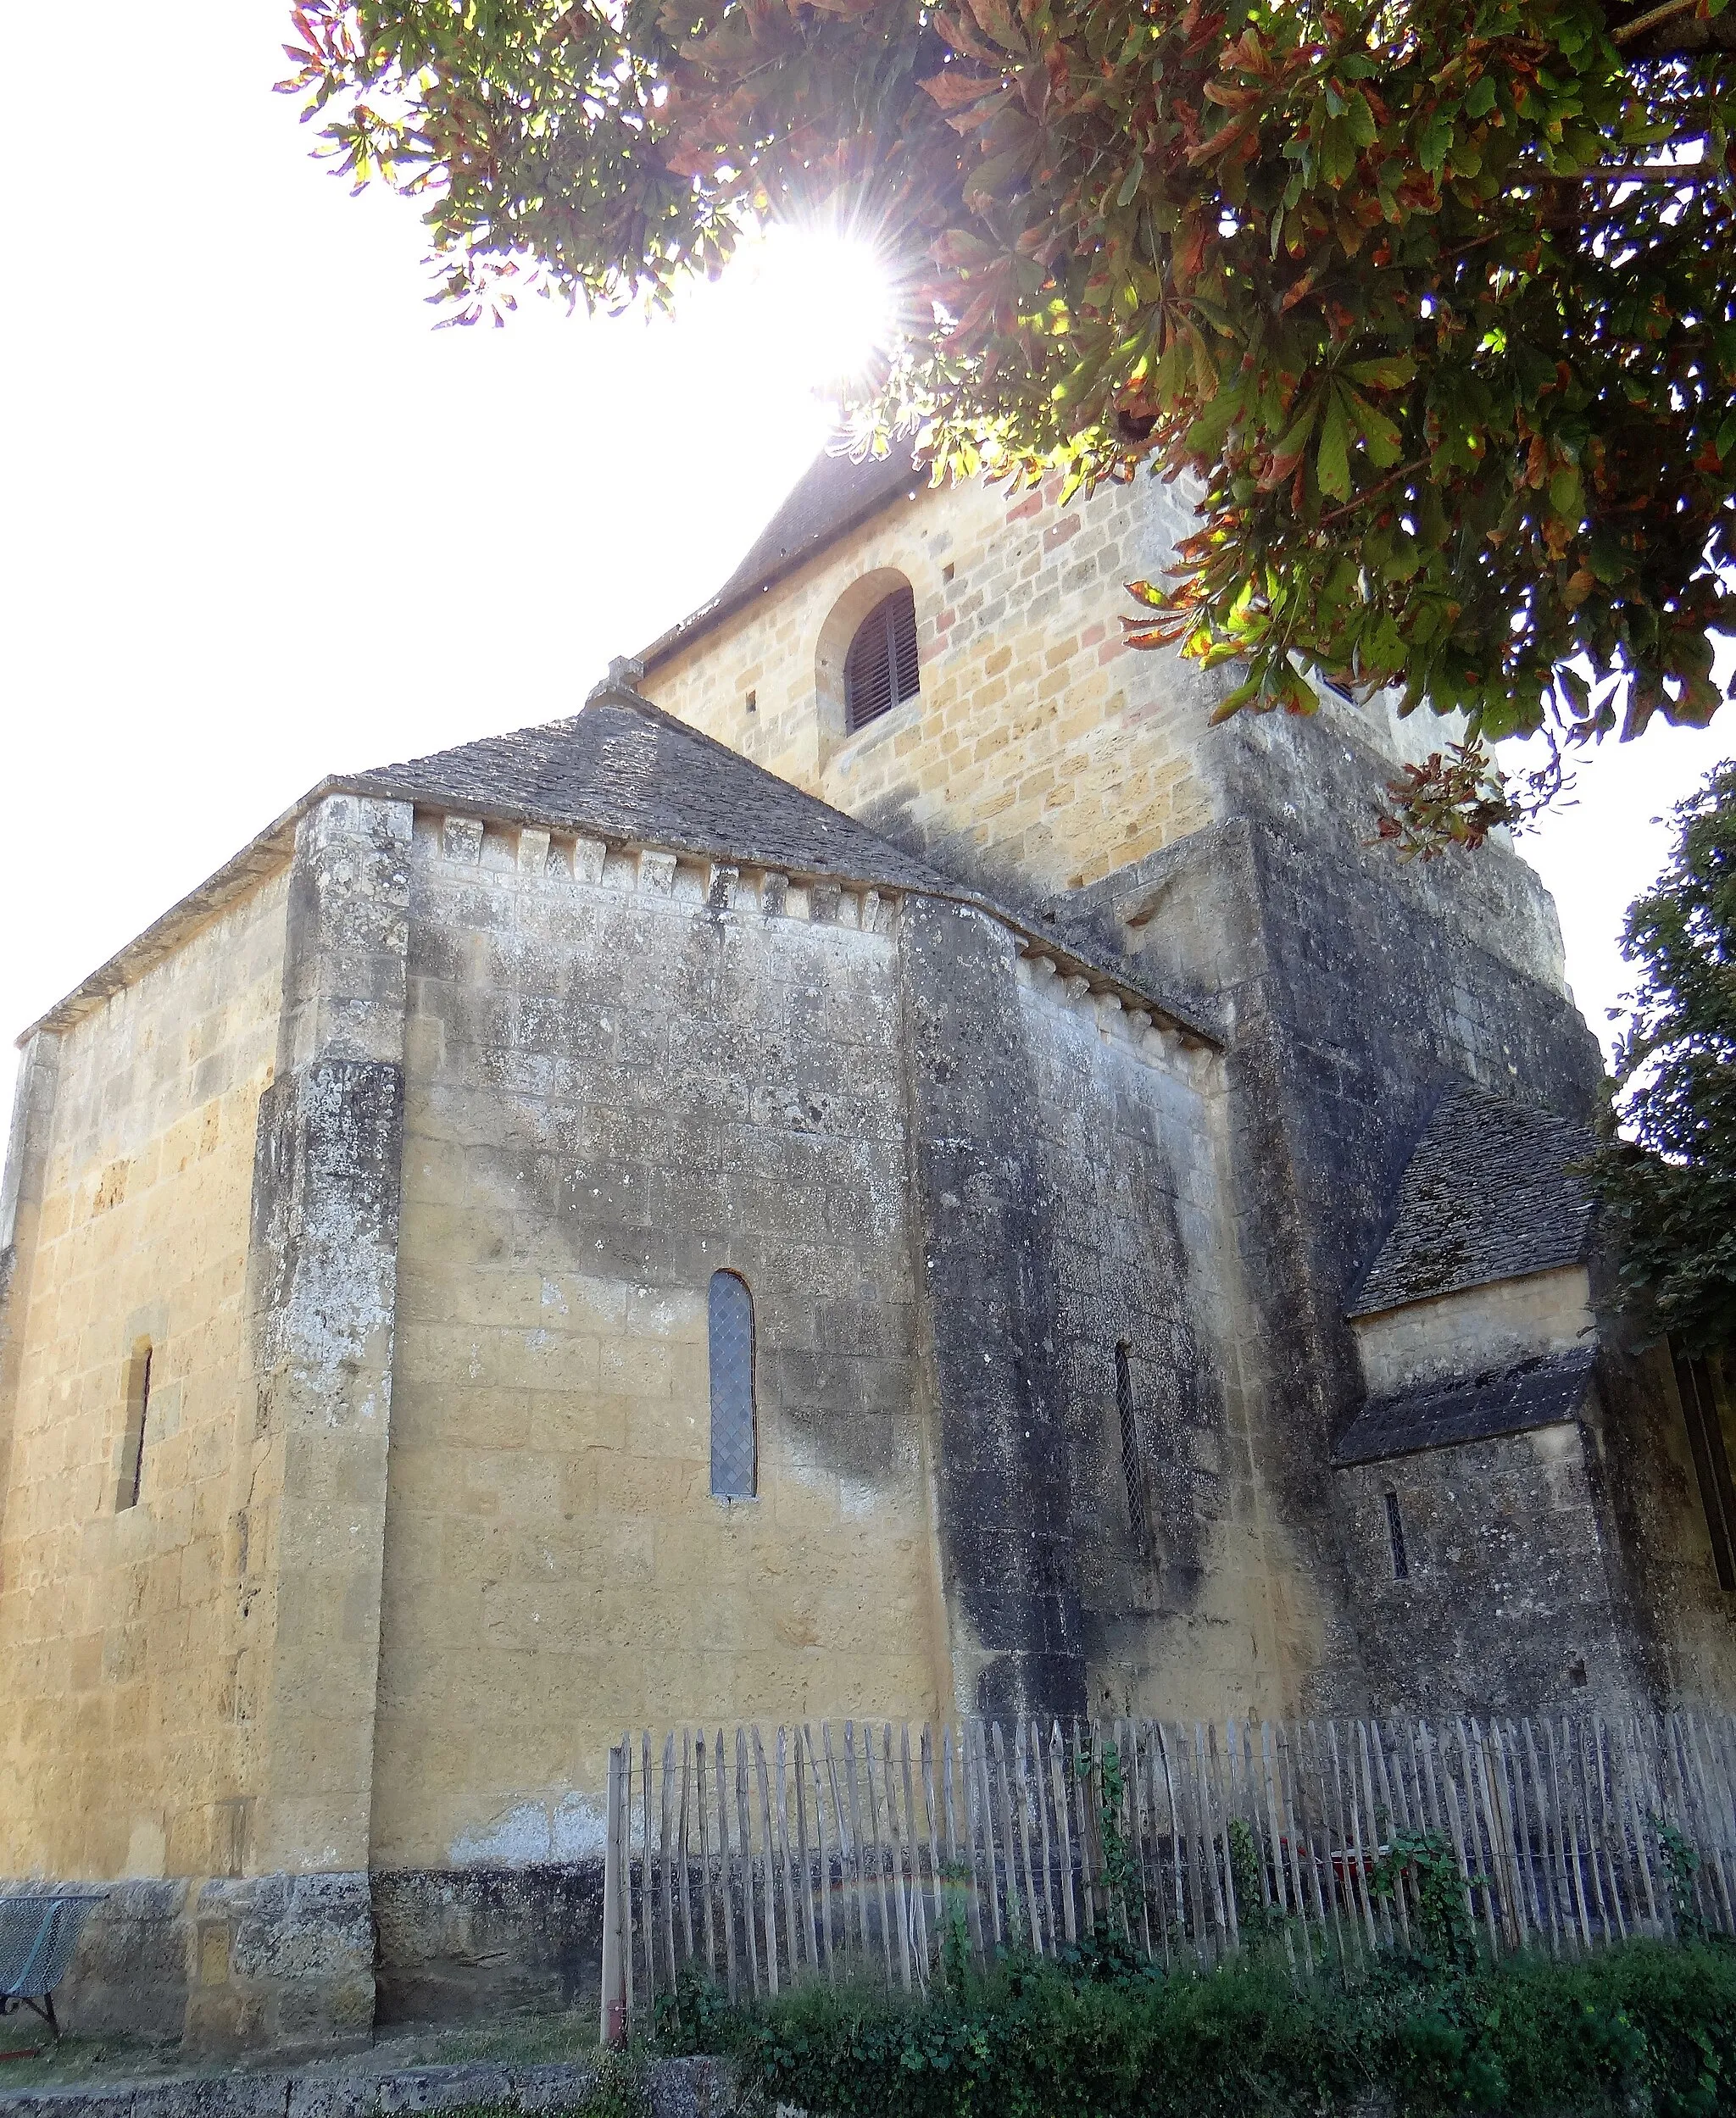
(673, 2088)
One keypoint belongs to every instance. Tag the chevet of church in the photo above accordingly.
(883, 1170)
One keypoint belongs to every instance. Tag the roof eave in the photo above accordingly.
(270, 850)
(710, 615)
(1364, 1312)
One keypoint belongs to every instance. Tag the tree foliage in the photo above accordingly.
(1435, 300)
(1671, 1185)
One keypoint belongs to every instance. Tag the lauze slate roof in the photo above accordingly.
(1488, 1195)
(619, 769)
(832, 495)
(1545, 1390)
(623, 769)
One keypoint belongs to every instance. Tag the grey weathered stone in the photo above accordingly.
(554, 2086)
(443, 2088)
(990, 1317)
(1538, 1392)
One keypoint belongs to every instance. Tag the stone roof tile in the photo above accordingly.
(1546, 1390)
(1488, 1195)
(623, 769)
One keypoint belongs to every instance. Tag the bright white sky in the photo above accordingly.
(263, 523)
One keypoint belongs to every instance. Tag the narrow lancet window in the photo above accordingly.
(132, 1445)
(1395, 1530)
(735, 1450)
(1132, 1469)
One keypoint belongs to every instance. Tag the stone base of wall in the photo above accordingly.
(226, 1964)
(458, 1942)
(309, 1963)
(286, 1962)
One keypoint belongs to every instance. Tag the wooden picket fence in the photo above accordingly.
(852, 1853)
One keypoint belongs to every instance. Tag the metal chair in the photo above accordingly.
(38, 1934)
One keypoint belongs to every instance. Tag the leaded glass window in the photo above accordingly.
(735, 1452)
(1132, 1469)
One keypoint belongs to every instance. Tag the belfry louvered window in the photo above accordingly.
(880, 670)
(735, 1450)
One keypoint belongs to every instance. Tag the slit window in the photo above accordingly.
(735, 1442)
(1698, 1385)
(1395, 1531)
(880, 670)
(1132, 1467)
(132, 1444)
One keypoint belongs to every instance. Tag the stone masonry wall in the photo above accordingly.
(1506, 1602)
(1476, 1329)
(1358, 991)
(117, 1705)
(625, 1073)
(1208, 1611)
(1040, 752)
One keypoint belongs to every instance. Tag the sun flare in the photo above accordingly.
(824, 301)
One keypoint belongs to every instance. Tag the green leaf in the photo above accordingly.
(1481, 99)
(1433, 139)
(1331, 463)
(1131, 181)
(1295, 439)
(1391, 372)
(1361, 118)
(1379, 435)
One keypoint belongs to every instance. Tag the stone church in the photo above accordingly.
(884, 1166)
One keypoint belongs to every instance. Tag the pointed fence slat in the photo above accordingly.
(844, 1848)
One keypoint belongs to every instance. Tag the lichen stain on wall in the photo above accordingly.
(613, 1092)
(568, 1827)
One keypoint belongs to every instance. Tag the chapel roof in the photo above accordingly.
(623, 769)
(1488, 1194)
(831, 497)
(1543, 1389)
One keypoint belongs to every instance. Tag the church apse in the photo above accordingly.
(1040, 1070)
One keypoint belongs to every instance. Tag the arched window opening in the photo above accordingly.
(735, 1450)
(132, 1446)
(1132, 1468)
(880, 670)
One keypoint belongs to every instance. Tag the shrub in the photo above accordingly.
(1645, 2028)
